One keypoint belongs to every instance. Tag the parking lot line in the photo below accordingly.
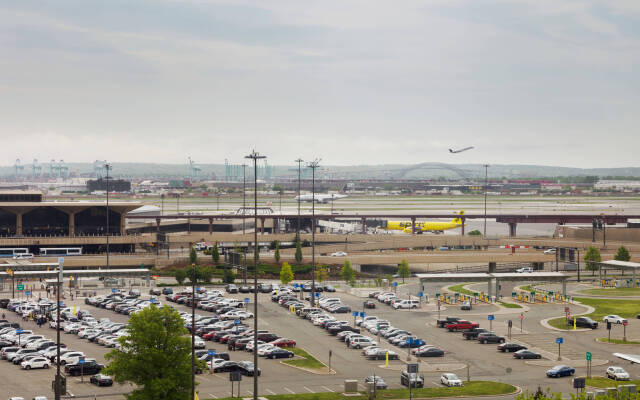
(289, 390)
(307, 389)
(326, 388)
(213, 396)
(270, 391)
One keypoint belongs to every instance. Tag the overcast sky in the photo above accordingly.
(352, 82)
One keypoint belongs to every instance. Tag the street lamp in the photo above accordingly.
(313, 165)
(486, 175)
(244, 202)
(58, 288)
(255, 157)
(299, 161)
(108, 167)
(193, 330)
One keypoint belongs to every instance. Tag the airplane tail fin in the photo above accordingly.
(457, 220)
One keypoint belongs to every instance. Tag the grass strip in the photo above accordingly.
(509, 305)
(617, 292)
(624, 308)
(618, 341)
(602, 382)
(307, 361)
(460, 289)
(560, 323)
(473, 388)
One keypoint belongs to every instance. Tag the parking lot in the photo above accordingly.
(483, 361)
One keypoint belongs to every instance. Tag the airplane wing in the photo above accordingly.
(634, 358)
(461, 150)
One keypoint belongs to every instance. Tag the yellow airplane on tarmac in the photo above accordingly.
(429, 226)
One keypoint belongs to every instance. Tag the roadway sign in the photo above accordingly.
(510, 323)
(395, 283)
(566, 309)
(491, 317)
(20, 287)
(420, 294)
(236, 322)
(412, 368)
(559, 340)
(624, 323)
(60, 260)
(211, 352)
(437, 294)
(246, 300)
(114, 290)
(19, 331)
(81, 360)
(27, 293)
(521, 316)
(588, 356)
(317, 294)
(362, 314)
(354, 313)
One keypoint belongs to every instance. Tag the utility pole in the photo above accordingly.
(486, 179)
(299, 161)
(193, 331)
(255, 157)
(108, 167)
(58, 288)
(313, 165)
(244, 202)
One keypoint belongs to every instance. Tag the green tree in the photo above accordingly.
(622, 254)
(591, 258)
(180, 275)
(298, 250)
(193, 256)
(215, 254)
(321, 273)
(155, 356)
(194, 274)
(236, 247)
(206, 273)
(403, 269)
(475, 233)
(347, 273)
(286, 273)
(228, 276)
(276, 252)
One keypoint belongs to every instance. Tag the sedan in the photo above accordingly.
(430, 352)
(381, 354)
(510, 347)
(369, 304)
(617, 374)
(614, 319)
(101, 380)
(284, 342)
(279, 353)
(526, 354)
(36, 362)
(380, 383)
(450, 380)
(560, 370)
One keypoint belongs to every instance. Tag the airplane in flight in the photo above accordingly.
(428, 226)
(460, 150)
(634, 358)
(320, 198)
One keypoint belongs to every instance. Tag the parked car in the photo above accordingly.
(247, 368)
(369, 304)
(448, 320)
(101, 380)
(526, 354)
(490, 337)
(90, 367)
(473, 333)
(450, 380)
(379, 382)
(617, 374)
(278, 352)
(461, 325)
(411, 379)
(614, 319)
(429, 352)
(510, 347)
(36, 362)
(560, 370)
(466, 306)
(583, 322)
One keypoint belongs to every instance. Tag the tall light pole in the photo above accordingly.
(58, 288)
(108, 167)
(299, 161)
(244, 199)
(313, 165)
(255, 157)
(486, 175)
(193, 331)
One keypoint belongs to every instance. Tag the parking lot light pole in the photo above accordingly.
(58, 376)
(486, 176)
(313, 165)
(299, 161)
(193, 331)
(255, 157)
(244, 205)
(108, 167)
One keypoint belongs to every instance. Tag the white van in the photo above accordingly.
(406, 304)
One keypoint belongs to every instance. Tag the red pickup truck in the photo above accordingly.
(461, 325)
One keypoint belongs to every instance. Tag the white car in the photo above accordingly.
(339, 254)
(71, 357)
(263, 349)
(550, 251)
(617, 374)
(23, 256)
(450, 380)
(524, 270)
(199, 343)
(36, 362)
(614, 319)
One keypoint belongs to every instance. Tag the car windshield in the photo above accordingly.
(618, 370)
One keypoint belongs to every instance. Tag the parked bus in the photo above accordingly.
(61, 251)
(13, 251)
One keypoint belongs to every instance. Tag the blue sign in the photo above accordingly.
(410, 340)
(317, 294)
(491, 317)
(362, 314)
(211, 352)
(420, 294)
(246, 300)
(114, 290)
(27, 293)
(61, 304)
(152, 300)
(355, 313)
(60, 260)
(236, 322)
(19, 331)
(197, 289)
(81, 360)
(559, 340)
(395, 283)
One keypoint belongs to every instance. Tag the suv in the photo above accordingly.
(412, 379)
(448, 320)
(231, 288)
(583, 322)
(490, 337)
(406, 304)
(90, 367)
(473, 333)
(461, 325)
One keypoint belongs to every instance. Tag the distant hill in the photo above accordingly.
(383, 171)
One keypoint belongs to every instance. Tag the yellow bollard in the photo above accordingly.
(386, 360)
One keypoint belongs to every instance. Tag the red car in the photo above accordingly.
(461, 325)
(208, 335)
(283, 342)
